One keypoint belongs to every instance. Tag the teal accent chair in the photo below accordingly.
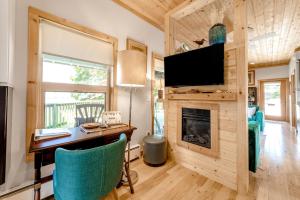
(259, 117)
(88, 174)
(254, 145)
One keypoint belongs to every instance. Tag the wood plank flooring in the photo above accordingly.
(173, 181)
(278, 176)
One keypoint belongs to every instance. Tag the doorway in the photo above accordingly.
(157, 94)
(274, 99)
(293, 104)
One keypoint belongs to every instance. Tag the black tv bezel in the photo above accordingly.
(195, 85)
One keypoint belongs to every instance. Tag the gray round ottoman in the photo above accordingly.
(155, 150)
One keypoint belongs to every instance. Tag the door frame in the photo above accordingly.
(158, 57)
(293, 120)
(284, 96)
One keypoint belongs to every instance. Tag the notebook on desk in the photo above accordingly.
(45, 134)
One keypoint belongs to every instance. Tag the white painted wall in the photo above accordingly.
(271, 73)
(7, 26)
(101, 15)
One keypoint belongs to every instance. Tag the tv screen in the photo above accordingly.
(198, 67)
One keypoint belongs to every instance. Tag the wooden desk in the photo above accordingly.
(44, 151)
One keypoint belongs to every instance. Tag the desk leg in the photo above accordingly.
(37, 176)
(127, 169)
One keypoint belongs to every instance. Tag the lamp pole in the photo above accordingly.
(130, 106)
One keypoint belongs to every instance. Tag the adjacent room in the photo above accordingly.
(149, 99)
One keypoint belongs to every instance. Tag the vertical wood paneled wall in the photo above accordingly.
(231, 167)
(224, 168)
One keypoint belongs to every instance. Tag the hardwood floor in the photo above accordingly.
(173, 181)
(278, 176)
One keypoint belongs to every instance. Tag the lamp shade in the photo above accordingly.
(131, 68)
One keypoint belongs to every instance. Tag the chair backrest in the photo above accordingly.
(88, 174)
(87, 113)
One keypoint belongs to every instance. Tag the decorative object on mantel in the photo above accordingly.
(183, 48)
(251, 77)
(200, 42)
(217, 33)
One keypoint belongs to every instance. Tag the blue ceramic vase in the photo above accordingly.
(217, 34)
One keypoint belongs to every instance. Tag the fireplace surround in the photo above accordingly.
(198, 128)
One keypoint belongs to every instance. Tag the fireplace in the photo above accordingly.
(198, 127)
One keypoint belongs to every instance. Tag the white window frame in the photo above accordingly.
(69, 87)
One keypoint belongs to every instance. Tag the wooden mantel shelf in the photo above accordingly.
(204, 96)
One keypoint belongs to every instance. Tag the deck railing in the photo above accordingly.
(61, 115)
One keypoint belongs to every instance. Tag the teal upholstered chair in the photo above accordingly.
(88, 174)
(259, 117)
(254, 145)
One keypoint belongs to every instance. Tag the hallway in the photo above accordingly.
(278, 176)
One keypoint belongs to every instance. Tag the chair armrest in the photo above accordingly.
(254, 145)
(261, 119)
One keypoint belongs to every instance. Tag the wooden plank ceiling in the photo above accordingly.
(273, 25)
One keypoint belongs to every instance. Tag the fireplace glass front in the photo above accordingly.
(196, 127)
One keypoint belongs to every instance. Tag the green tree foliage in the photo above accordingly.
(89, 76)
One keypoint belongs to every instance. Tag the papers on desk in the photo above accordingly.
(45, 134)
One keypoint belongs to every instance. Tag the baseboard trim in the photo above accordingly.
(16, 191)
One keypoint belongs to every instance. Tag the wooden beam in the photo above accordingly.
(187, 8)
(132, 7)
(240, 39)
(169, 36)
(267, 65)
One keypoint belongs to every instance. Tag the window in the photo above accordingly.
(66, 70)
(61, 77)
(67, 64)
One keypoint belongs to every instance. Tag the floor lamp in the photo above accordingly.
(131, 72)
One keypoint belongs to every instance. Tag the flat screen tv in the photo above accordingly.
(198, 67)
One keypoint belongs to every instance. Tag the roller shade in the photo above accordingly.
(63, 41)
